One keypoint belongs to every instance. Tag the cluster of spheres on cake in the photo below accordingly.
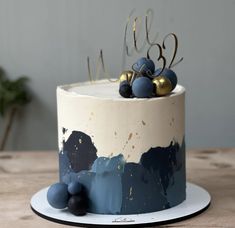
(71, 196)
(146, 82)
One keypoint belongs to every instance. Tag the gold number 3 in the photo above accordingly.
(160, 56)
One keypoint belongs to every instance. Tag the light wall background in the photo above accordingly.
(49, 40)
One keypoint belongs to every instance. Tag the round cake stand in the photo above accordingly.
(197, 201)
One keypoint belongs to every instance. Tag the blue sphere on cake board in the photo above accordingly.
(58, 196)
(74, 187)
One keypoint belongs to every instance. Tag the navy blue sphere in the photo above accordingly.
(58, 196)
(74, 187)
(77, 205)
(142, 87)
(170, 74)
(125, 89)
(145, 66)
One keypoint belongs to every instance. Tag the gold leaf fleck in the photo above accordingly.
(130, 191)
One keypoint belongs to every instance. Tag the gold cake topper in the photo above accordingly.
(137, 49)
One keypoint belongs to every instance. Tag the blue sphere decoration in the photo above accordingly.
(142, 87)
(58, 196)
(74, 187)
(145, 66)
(170, 74)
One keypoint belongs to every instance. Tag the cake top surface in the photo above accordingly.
(106, 90)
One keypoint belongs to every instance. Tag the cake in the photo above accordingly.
(122, 141)
(127, 153)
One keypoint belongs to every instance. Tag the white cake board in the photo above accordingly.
(197, 200)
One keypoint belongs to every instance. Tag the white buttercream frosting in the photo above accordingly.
(107, 90)
(119, 125)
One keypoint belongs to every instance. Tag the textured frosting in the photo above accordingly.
(117, 146)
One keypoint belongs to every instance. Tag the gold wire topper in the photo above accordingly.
(126, 48)
(99, 66)
(136, 29)
(89, 69)
(172, 64)
(127, 52)
(136, 34)
(150, 13)
(160, 56)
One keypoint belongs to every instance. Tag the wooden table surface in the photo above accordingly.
(24, 173)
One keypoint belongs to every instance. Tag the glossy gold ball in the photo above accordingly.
(163, 85)
(126, 76)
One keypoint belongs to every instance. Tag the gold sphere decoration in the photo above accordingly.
(163, 85)
(126, 76)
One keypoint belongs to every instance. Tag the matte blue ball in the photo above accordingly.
(170, 74)
(145, 66)
(142, 87)
(58, 196)
(74, 188)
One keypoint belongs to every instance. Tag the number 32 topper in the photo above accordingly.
(161, 49)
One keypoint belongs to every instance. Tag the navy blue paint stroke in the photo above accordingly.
(81, 151)
(115, 187)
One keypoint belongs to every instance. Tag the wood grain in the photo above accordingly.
(24, 173)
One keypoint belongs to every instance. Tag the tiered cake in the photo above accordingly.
(128, 153)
